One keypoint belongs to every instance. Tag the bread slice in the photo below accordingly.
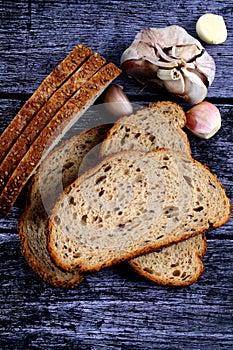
(178, 265)
(45, 114)
(119, 210)
(157, 126)
(59, 169)
(53, 132)
(50, 84)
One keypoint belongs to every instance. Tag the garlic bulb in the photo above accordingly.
(203, 120)
(171, 58)
(116, 102)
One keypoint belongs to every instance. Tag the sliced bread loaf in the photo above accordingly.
(45, 114)
(119, 210)
(51, 83)
(59, 169)
(156, 126)
(53, 132)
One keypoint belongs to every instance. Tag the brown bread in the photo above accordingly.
(50, 84)
(178, 265)
(45, 114)
(53, 132)
(59, 169)
(126, 206)
(156, 126)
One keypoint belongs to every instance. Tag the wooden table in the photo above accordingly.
(115, 308)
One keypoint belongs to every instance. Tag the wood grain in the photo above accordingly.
(114, 309)
(36, 37)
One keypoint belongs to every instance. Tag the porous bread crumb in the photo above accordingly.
(95, 243)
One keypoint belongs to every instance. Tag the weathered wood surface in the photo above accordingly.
(115, 308)
(36, 35)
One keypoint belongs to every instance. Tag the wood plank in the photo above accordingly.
(36, 37)
(117, 308)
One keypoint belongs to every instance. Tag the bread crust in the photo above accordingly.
(114, 261)
(72, 281)
(54, 130)
(45, 114)
(50, 84)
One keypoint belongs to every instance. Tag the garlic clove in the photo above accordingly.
(176, 87)
(116, 102)
(141, 70)
(186, 52)
(168, 74)
(137, 51)
(203, 120)
(195, 89)
(211, 28)
(206, 65)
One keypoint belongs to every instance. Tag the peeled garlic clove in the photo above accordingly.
(116, 102)
(203, 120)
(211, 28)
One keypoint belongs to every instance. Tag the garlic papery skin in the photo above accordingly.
(171, 58)
(168, 74)
(141, 70)
(116, 102)
(203, 120)
(205, 64)
(195, 89)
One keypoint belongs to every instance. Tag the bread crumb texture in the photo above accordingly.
(125, 207)
(57, 171)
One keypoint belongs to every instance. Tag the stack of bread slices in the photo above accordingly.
(55, 106)
(144, 200)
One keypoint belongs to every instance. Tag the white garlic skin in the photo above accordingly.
(171, 58)
(203, 120)
(116, 102)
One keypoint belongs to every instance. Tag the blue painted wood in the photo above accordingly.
(35, 38)
(114, 309)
